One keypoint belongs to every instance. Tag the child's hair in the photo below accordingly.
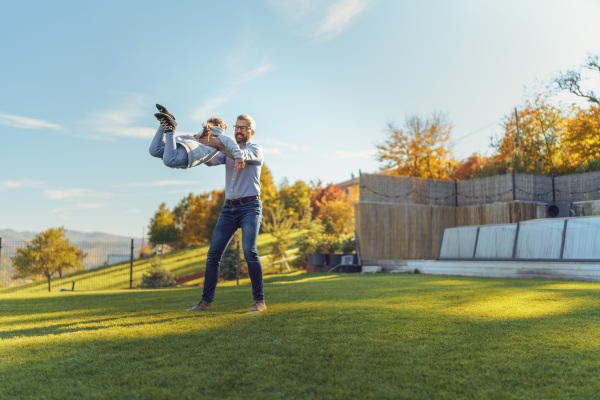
(210, 123)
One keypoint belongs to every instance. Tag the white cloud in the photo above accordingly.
(157, 184)
(271, 151)
(63, 212)
(255, 73)
(246, 61)
(25, 183)
(320, 19)
(26, 122)
(121, 121)
(210, 108)
(279, 147)
(73, 194)
(350, 155)
(339, 16)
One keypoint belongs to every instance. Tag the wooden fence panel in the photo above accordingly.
(390, 231)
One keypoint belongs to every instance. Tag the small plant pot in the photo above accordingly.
(317, 259)
(335, 259)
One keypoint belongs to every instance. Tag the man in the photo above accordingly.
(242, 209)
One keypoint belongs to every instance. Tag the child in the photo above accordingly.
(185, 151)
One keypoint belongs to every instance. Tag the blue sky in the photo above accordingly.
(79, 80)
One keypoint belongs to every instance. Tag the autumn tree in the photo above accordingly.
(531, 139)
(333, 208)
(422, 149)
(49, 252)
(162, 227)
(582, 126)
(268, 191)
(582, 139)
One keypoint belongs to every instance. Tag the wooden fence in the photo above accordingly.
(402, 218)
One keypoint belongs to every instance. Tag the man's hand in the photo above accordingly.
(240, 164)
(212, 142)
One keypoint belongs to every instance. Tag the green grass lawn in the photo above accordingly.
(323, 336)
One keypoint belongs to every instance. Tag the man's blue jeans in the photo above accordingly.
(247, 216)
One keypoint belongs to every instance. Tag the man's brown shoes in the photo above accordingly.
(259, 305)
(201, 306)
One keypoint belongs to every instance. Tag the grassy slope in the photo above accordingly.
(323, 336)
(180, 263)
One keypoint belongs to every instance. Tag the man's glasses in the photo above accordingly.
(241, 128)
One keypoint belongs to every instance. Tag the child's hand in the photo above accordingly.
(240, 164)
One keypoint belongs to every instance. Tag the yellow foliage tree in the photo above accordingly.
(422, 149)
(534, 145)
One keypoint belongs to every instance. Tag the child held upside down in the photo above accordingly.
(185, 151)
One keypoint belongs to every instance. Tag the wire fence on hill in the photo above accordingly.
(121, 265)
(102, 257)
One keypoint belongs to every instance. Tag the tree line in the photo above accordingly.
(541, 136)
(289, 206)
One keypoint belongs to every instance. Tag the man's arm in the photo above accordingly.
(216, 160)
(253, 153)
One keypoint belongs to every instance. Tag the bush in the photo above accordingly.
(157, 276)
(229, 261)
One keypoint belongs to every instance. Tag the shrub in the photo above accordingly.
(229, 261)
(157, 276)
(347, 244)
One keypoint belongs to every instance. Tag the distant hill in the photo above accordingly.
(11, 235)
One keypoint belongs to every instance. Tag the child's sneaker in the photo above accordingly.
(166, 121)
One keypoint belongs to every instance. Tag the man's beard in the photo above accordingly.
(240, 139)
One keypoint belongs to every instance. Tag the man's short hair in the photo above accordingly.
(246, 117)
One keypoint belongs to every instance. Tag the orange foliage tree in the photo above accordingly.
(473, 167)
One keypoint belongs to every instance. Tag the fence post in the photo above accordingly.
(0, 251)
(514, 186)
(455, 193)
(237, 267)
(553, 190)
(131, 267)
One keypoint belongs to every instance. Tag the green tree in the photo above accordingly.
(157, 276)
(48, 252)
(422, 149)
(296, 200)
(162, 227)
(278, 225)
